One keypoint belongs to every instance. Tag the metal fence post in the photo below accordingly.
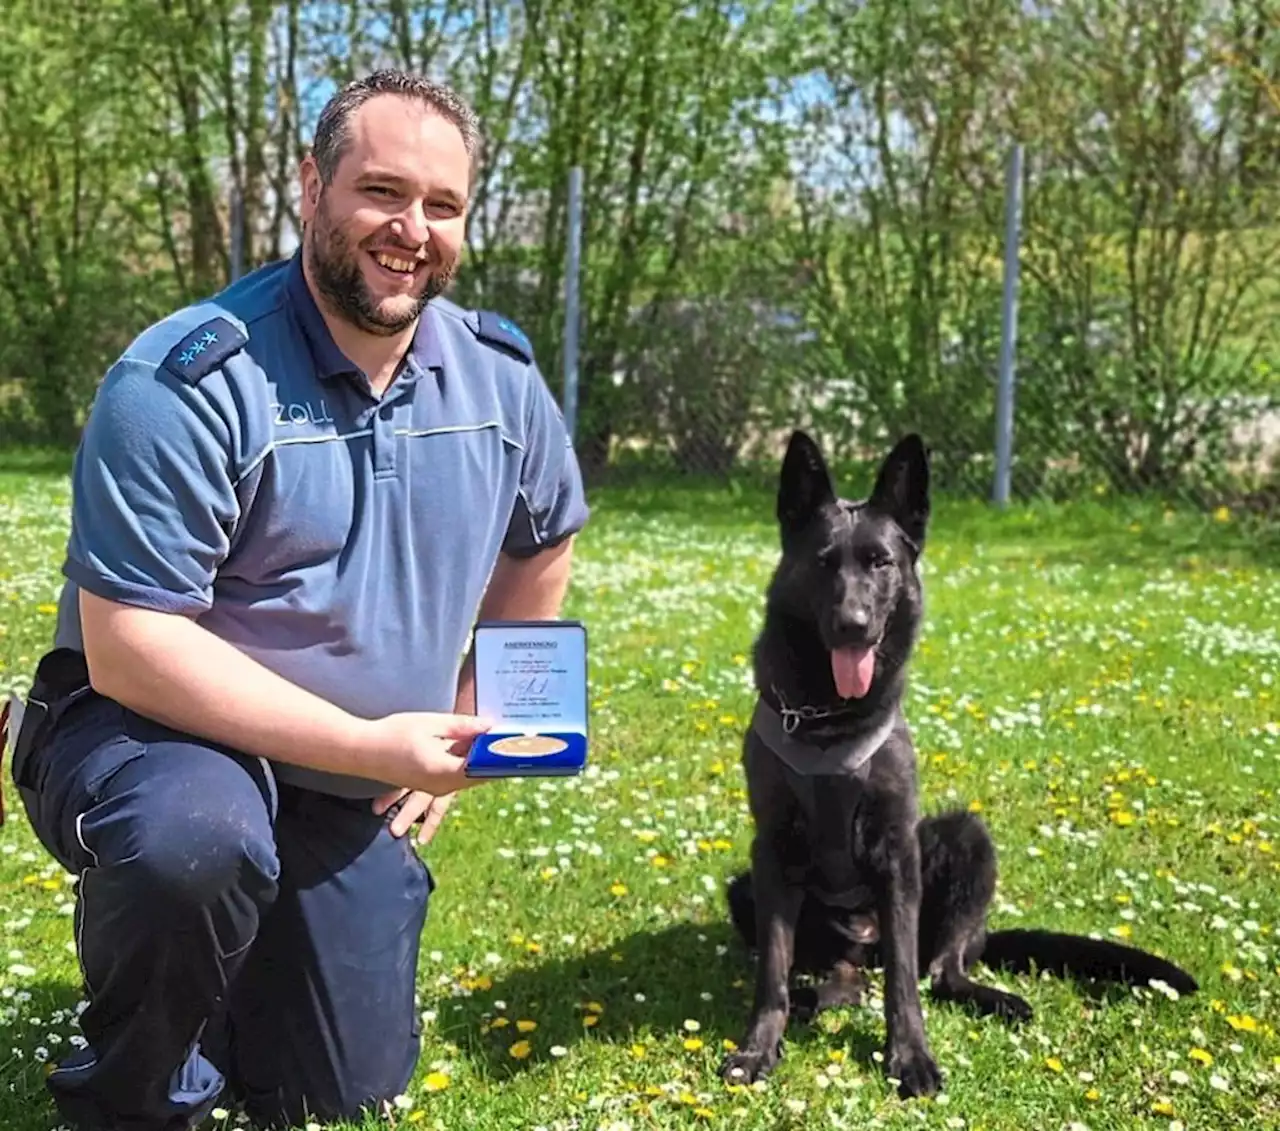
(237, 225)
(1009, 329)
(571, 301)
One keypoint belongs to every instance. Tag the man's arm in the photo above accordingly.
(170, 669)
(521, 588)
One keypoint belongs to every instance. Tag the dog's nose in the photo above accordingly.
(859, 618)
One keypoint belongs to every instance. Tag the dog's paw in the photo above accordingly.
(1012, 1009)
(748, 1065)
(916, 1072)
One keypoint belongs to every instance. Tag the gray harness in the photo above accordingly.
(851, 758)
(836, 880)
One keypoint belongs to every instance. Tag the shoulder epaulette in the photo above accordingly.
(499, 330)
(204, 349)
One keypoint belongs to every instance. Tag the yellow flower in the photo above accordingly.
(1242, 1021)
(1093, 1095)
(591, 1020)
(1162, 1107)
(1222, 514)
(975, 806)
(1053, 1063)
(526, 1026)
(499, 1023)
(618, 889)
(693, 1044)
(436, 1081)
(638, 1051)
(1202, 1056)
(520, 1049)
(660, 861)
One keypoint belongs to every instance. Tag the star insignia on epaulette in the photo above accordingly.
(201, 352)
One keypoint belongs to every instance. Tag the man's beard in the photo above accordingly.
(335, 267)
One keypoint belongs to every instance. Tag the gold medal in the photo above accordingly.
(530, 745)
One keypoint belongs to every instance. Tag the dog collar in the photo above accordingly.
(792, 717)
(851, 758)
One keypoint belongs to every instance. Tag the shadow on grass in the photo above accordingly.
(48, 461)
(1117, 532)
(1094, 532)
(671, 969)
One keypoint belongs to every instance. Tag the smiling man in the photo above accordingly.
(290, 504)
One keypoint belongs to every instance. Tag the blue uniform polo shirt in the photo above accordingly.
(236, 468)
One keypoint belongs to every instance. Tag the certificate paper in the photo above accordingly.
(531, 680)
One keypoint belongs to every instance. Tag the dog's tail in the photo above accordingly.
(1079, 956)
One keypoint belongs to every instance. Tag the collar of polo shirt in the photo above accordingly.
(330, 361)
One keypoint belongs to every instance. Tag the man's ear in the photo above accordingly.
(804, 484)
(902, 488)
(310, 182)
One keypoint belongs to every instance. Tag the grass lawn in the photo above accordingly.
(1101, 683)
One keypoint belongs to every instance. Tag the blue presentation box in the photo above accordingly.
(531, 680)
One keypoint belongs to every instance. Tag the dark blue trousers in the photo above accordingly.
(241, 941)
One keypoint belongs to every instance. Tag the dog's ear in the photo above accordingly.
(902, 487)
(804, 485)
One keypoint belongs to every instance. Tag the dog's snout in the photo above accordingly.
(851, 623)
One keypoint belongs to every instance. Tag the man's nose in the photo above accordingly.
(411, 226)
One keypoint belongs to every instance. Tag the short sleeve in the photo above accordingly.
(551, 504)
(153, 502)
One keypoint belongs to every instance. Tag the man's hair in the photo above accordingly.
(333, 134)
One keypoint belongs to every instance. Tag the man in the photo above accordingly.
(291, 502)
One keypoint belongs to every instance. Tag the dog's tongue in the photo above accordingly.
(853, 669)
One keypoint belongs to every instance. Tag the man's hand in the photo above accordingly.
(428, 748)
(442, 741)
(414, 806)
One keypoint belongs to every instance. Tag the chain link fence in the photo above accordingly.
(1149, 370)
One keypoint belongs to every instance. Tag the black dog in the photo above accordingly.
(844, 874)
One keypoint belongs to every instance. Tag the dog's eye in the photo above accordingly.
(881, 561)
